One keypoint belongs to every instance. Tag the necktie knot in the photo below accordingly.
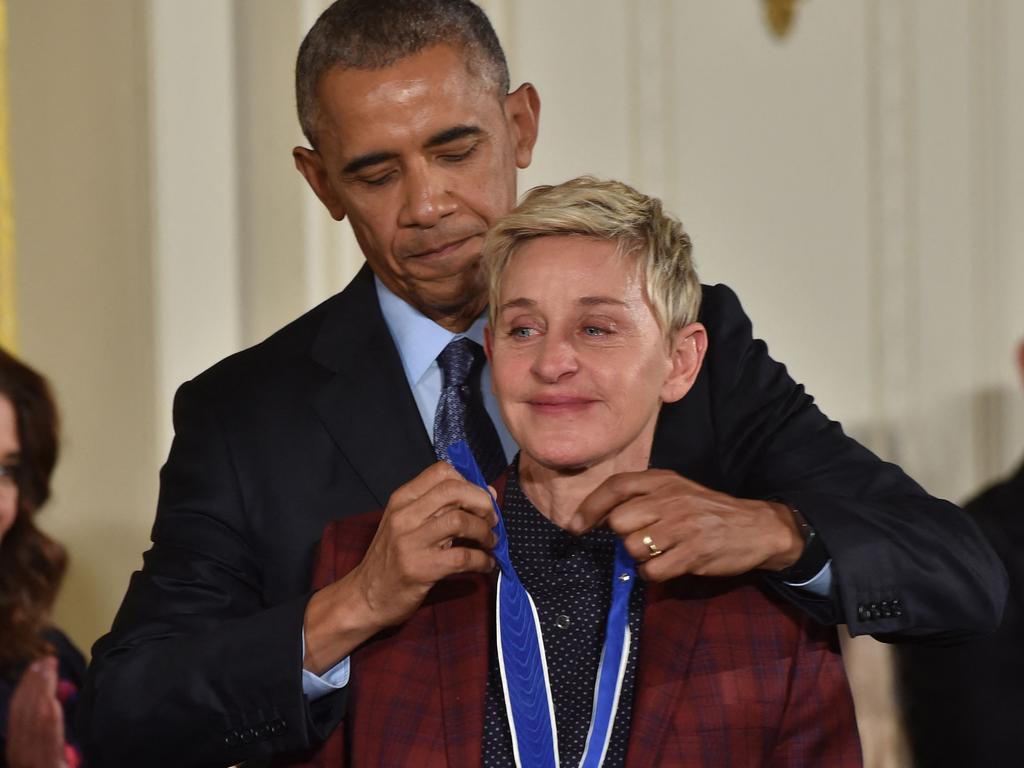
(457, 361)
(460, 410)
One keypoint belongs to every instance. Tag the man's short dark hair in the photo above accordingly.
(373, 34)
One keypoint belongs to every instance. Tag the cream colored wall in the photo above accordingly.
(80, 152)
(859, 184)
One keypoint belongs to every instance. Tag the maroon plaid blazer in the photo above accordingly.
(728, 675)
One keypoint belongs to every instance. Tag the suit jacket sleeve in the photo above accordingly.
(905, 564)
(198, 668)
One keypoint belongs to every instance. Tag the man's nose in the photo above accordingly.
(556, 359)
(426, 197)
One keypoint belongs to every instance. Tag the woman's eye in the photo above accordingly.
(593, 330)
(521, 332)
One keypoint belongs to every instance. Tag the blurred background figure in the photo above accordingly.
(964, 705)
(40, 670)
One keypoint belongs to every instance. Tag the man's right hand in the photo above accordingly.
(434, 526)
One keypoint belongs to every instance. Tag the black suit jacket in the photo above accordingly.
(203, 663)
(964, 704)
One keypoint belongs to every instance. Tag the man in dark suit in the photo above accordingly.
(220, 654)
(964, 704)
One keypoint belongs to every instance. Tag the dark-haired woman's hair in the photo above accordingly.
(31, 563)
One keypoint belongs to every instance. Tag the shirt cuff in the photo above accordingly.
(820, 584)
(317, 686)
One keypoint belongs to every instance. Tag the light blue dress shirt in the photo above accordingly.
(419, 341)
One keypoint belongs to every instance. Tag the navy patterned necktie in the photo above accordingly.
(460, 411)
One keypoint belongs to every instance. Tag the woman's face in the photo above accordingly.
(10, 450)
(580, 365)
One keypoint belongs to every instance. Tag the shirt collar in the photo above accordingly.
(418, 338)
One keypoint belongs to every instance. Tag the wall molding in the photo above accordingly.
(892, 227)
(652, 99)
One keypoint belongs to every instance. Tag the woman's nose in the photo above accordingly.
(556, 358)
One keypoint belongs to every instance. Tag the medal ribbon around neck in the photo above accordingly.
(524, 671)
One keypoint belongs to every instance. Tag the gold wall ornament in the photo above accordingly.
(6, 210)
(780, 15)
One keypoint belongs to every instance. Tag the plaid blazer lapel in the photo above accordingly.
(462, 618)
(455, 619)
(342, 548)
(671, 624)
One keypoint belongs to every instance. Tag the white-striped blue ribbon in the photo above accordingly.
(524, 674)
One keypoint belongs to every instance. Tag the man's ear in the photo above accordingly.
(522, 110)
(309, 163)
(687, 349)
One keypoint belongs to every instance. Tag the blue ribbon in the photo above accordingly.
(524, 673)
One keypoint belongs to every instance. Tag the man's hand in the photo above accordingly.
(698, 530)
(35, 725)
(434, 526)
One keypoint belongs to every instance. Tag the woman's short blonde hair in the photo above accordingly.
(609, 211)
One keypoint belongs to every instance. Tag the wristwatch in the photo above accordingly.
(811, 560)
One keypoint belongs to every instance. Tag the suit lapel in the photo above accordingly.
(367, 406)
(671, 625)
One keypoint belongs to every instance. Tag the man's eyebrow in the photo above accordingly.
(365, 161)
(437, 140)
(452, 134)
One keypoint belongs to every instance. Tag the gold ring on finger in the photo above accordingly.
(652, 548)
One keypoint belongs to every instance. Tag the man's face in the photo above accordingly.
(580, 365)
(421, 157)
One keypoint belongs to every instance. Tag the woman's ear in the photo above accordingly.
(488, 341)
(686, 352)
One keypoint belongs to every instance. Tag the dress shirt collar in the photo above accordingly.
(418, 338)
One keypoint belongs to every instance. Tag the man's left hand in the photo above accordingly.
(674, 526)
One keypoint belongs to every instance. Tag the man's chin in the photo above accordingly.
(459, 297)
